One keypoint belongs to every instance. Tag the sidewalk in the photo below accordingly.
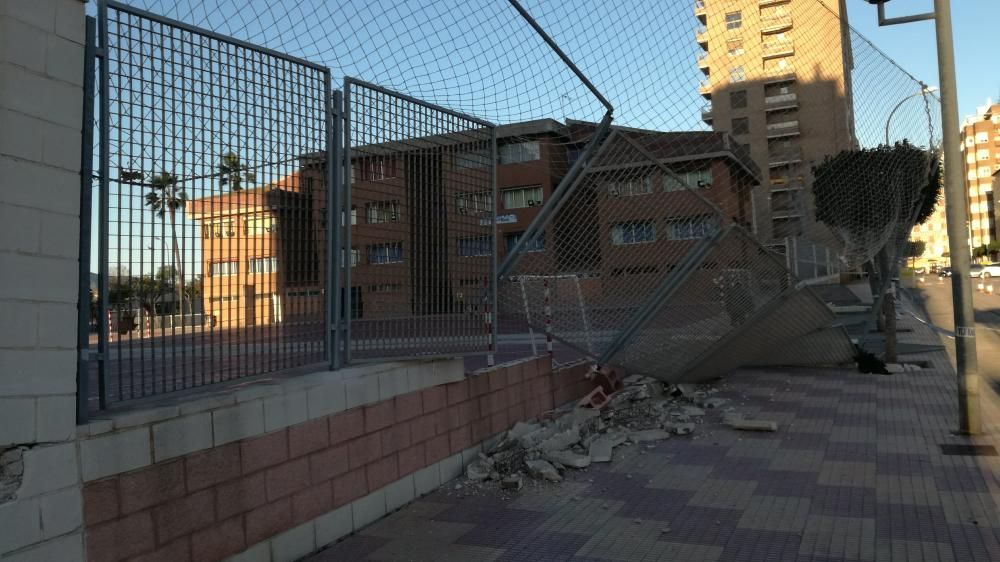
(855, 472)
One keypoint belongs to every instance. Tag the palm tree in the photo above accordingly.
(164, 198)
(234, 173)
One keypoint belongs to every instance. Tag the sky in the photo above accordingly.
(913, 46)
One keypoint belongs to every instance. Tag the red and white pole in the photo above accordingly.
(488, 317)
(548, 319)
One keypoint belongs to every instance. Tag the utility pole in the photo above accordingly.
(956, 213)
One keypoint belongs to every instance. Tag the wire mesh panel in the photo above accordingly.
(213, 234)
(421, 227)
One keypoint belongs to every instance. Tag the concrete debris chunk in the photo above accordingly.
(693, 411)
(753, 425)
(561, 441)
(568, 458)
(513, 482)
(894, 368)
(601, 450)
(544, 470)
(478, 471)
(713, 402)
(680, 428)
(521, 429)
(648, 435)
(532, 439)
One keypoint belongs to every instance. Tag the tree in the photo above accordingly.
(915, 248)
(164, 198)
(234, 173)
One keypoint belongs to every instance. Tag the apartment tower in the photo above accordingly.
(777, 77)
(981, 153)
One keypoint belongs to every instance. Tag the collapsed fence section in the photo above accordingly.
(421, 188)
(210, 262)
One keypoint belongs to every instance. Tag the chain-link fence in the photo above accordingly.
(660, 177)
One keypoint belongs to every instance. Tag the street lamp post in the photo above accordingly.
(956, 212)
(924, 90)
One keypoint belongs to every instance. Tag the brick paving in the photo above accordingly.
(855, 472)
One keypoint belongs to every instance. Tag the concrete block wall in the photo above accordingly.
(284, 493)
(41, 104)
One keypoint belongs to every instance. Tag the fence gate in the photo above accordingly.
(211, 235)
(421, 201)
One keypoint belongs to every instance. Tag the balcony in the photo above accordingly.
(783, 129)
(706, 114)
(774, 24)
(775, 74)
(705, 87)
(703, 60)
(699, 10)
(772, 49)
(701, 35)
(766, 3)
(784, 157)
(781, 101)
(782, 184)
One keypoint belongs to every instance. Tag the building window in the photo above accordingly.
(472, 159)
(734, 47)
(475, 246)
(259, 226)
(734, 20)
(374, 168)
(737, 74)
(521, 197)
(632, 186)
(385, 288)
(536, 245)
(982, 137)
(983, 154)
(355, 256)
(633, 233)
(741, 125)
(969, 141)
(389, 252)
(520, 152)
(738, 99)
(221, 268)
(683, 180)
(382, 211)
(985, 172)
(263, 265)
(690, 228)
(223, 229)
(474, 203)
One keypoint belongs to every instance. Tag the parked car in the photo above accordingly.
(990, 270)
(944, 272)
(975, 270)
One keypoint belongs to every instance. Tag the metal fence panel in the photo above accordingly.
(421, 235)
(213, 190)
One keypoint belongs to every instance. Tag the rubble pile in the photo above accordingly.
(642, 410)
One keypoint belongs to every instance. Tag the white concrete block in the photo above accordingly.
(257, 391)
(37, 278)
(35, 185)
(62, 512)
(392, 383)
(21, 523)
(399, 493)
(181, 436)
(93, 428)
(17, 420)
(18, 324)
(64, 61)
(19, 135)
(238, 422)
(333, 525)
(64, 549)
(294, 543)
(327, 398)
(41, 15)
(114, 453)
(260, 552)
(451, 467)
(35, 372)
(48, 468)
(368, 509)
(55, 418)
(427, 479)
(470, 454)
(70, 22)
(361, 391)
(418, 378)
(42, 97)
(22, 45)
(60, 232)
(285, 410)
(144, 416)
(206, 403)
(20, 227)
(449, 370)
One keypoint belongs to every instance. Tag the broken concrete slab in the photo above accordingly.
(543, 469)
(513, 482)
(648, 435)
(693, 411)
(713, 402)
(568, 458)
(753, 425)
(562, 440)
(894, 368)
(680, 428)
(601, 450)
(521, 429)
(535, 437)
(478, 471)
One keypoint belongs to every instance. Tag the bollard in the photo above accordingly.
(989, 289)
(979, 287)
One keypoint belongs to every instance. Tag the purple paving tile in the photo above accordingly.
(911, 523)
(703, 525)
(868, 419)
(843, 501)
(786, 483)
(959, 479)
(817, 412)
(750, 545)
(498, 528)
(851, 452)
(806, 441)
(741, 468)
(899, 464)
(545, 546)
(354, 547)
(655, 504)
(895, 427)
(975, 544)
